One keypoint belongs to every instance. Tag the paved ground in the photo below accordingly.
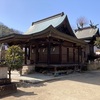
(32, 78)
(84, 86)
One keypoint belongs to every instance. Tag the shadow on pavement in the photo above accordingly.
(26, 84)
(22, 93)
(91, 77)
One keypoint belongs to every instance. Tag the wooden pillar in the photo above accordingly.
(81, 55)
(25, 55)
(60, 53)
(49, 52)
(78, 54)
(36, 54)
(21, 46)
(29, 53)
(68, 55)
(74, 45)
(73, 54)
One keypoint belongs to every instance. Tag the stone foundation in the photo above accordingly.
(93, 65)
(27, 69)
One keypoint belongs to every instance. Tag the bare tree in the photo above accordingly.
(82, 21)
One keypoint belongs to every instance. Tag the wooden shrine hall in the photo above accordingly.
(50, 44)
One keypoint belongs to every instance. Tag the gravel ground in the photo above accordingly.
(84, 86)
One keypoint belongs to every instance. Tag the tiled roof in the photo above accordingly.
(41, 25)
(84, 33)
(48, 32)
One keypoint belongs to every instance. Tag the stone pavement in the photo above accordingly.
(39, 77)
(34, 77)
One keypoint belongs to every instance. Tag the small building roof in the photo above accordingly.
(86, 33)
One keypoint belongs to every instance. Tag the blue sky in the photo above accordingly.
(19, 14)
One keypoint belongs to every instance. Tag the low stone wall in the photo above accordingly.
(3, 72)
(93, 65)
(27, 69)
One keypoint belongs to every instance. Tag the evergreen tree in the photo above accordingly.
(14, 58)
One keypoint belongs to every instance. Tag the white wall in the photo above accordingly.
(3, 72)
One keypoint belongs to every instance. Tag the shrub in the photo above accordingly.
(14, 58)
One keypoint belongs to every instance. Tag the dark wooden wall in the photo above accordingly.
(59, 54)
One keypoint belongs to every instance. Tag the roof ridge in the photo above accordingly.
(88, 27)
(45, 19)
